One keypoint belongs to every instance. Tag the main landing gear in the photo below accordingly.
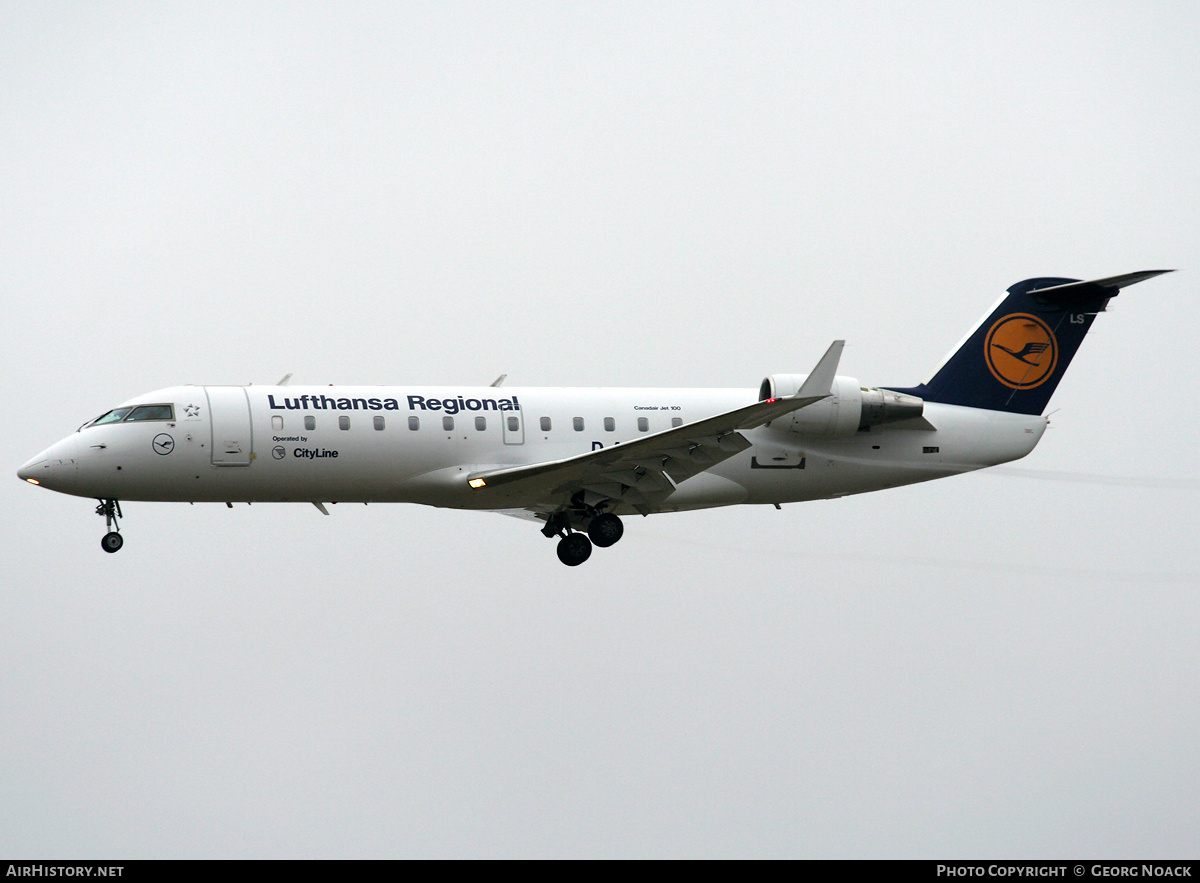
(605, 530)
(574, 548)
(111, 510)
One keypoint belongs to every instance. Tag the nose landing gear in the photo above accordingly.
(111, 510)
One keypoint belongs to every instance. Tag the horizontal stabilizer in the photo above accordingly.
(1108, 287)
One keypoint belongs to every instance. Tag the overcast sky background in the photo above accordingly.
(643, 194)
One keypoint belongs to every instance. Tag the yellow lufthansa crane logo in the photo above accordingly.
(1021, 351)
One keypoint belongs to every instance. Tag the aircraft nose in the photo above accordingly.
(35, 469)
(53, 468)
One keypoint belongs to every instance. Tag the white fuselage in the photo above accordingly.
(361, 444)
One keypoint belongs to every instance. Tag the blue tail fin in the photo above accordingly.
(1017, 355)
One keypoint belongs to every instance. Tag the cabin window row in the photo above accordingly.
(610, 424)
(514, 423)
(380, 423)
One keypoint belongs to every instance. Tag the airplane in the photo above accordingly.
(578, 460)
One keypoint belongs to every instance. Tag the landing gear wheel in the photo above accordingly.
(605, 530)
(574, 549)
(111, 510)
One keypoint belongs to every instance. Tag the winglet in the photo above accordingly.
(820, 382)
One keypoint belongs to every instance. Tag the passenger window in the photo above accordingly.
(577, 423)
(643, 424)
(481, 423)
(378, 421)
(514, 424)
(113, 416)
(276, 422)
(152, 412)
(414, 423)
(545, 424)
(310, 422)
(677, 421)
(447, 423)
(343, 422)
(610, 425)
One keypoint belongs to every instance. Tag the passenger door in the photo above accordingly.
(232, 439)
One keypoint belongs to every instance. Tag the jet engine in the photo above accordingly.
(850, 409)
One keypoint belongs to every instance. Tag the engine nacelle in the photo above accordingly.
(850, 409)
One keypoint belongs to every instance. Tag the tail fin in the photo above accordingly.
(1015, 357)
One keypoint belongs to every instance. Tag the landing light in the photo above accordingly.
(477, 482)
(33, 481)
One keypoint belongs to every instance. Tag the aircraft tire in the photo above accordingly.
(112, 542)
(605, 530)
(574, 549)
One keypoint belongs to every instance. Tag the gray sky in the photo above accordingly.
(646, 194)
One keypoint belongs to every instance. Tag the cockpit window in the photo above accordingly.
(151, 412)
(113, 416)
(141, 412)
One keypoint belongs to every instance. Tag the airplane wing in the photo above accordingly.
(645, 471)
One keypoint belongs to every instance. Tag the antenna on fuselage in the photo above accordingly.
(499, 380)
(286, 378)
